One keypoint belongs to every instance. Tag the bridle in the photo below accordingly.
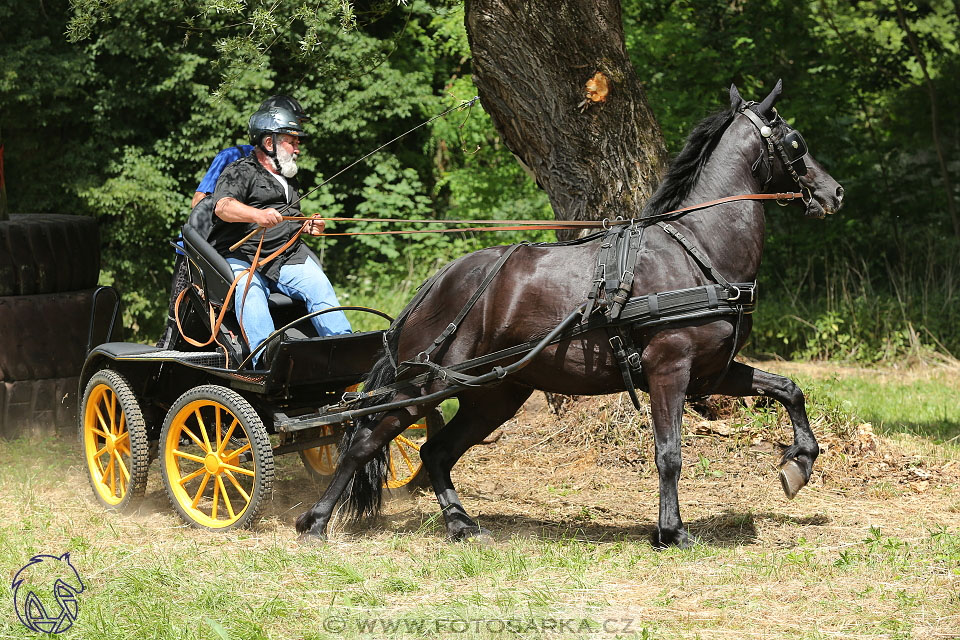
(790, 147)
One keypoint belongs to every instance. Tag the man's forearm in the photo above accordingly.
(232, 210)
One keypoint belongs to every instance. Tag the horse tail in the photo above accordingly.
(364, 494)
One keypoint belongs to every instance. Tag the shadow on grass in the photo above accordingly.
(729, 529)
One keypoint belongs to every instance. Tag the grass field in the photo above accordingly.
(871, 549)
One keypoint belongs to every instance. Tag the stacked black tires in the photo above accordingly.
(49, 267)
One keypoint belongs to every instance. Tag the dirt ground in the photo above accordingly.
(588, 470)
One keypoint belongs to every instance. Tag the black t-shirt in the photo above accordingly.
(247, 181)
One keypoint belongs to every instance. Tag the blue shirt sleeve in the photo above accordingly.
(220, 162)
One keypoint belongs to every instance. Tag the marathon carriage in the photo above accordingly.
(214, 422)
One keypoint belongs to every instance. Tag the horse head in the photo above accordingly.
(784, 163)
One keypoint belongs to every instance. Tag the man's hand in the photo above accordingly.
(268, 217)
(314, 226)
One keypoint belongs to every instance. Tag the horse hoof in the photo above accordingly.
(677, 539)
(478, 536)
(792, 478)
(308, 539)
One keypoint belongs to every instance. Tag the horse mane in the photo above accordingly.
(685, 169)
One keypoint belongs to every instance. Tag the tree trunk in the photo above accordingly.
(532, 60)
(4, 214)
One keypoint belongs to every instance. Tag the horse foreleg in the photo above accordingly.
(366, 442)
(796, 465)
(481, 411)
(668, 387)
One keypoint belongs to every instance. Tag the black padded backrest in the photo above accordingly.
(217, 274)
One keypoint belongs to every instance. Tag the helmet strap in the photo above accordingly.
(271, 154)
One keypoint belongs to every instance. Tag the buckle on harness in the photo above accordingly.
(422, 358)
(351, 396)
(633, 359)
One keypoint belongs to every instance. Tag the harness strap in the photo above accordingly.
(628, 358)
(698, 255)
(627, 264)
(424, 356)
(669, 306)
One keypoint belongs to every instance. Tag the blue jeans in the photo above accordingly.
(305, 282)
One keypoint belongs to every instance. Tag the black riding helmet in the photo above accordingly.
(272, 122)
(285, 102)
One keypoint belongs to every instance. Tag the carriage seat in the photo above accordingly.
(217, 276)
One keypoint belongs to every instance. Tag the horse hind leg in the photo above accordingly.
(796, 465)
(481, 411)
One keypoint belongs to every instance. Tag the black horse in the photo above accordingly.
(729, 153)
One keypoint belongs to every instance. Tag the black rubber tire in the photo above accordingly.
(205, 399)
(97, 395)
(38, 407)
(45, 336)
(48, 253)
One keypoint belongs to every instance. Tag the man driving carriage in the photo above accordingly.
(208, 183)
(247, 198)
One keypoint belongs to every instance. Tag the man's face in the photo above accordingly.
(288, 149)
(290, 144)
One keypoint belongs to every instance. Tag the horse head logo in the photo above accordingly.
(45, 593)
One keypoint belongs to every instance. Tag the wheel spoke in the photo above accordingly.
(216, 492)
(123, 438)
(226, 498)
(393, 471)
(112, 468)
(236, 485)
(185, 479)
(188, 456)
(122, 466)
(410, 443)
(113, 413)
(103, 421)
(226, 438)
(203, 485)
(102, 434)
(219, 427)
(100, 453)
(234, 454)
(403, 452)
(193, 437)
(240, 470)
(203, 430)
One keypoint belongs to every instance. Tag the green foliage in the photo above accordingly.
(120, 118)
(860, 285)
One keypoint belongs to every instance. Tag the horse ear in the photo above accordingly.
(735, 99)
(771, 99)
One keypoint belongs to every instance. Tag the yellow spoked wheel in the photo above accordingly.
(321, 461)
(216, 458)
(114, 440)
(404, 467)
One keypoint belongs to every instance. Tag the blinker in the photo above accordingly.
(795, 148)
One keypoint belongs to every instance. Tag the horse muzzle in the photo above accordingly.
(819, 203)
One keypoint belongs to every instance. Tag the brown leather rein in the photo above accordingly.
(496, 225)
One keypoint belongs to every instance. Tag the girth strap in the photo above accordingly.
(627, 357)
